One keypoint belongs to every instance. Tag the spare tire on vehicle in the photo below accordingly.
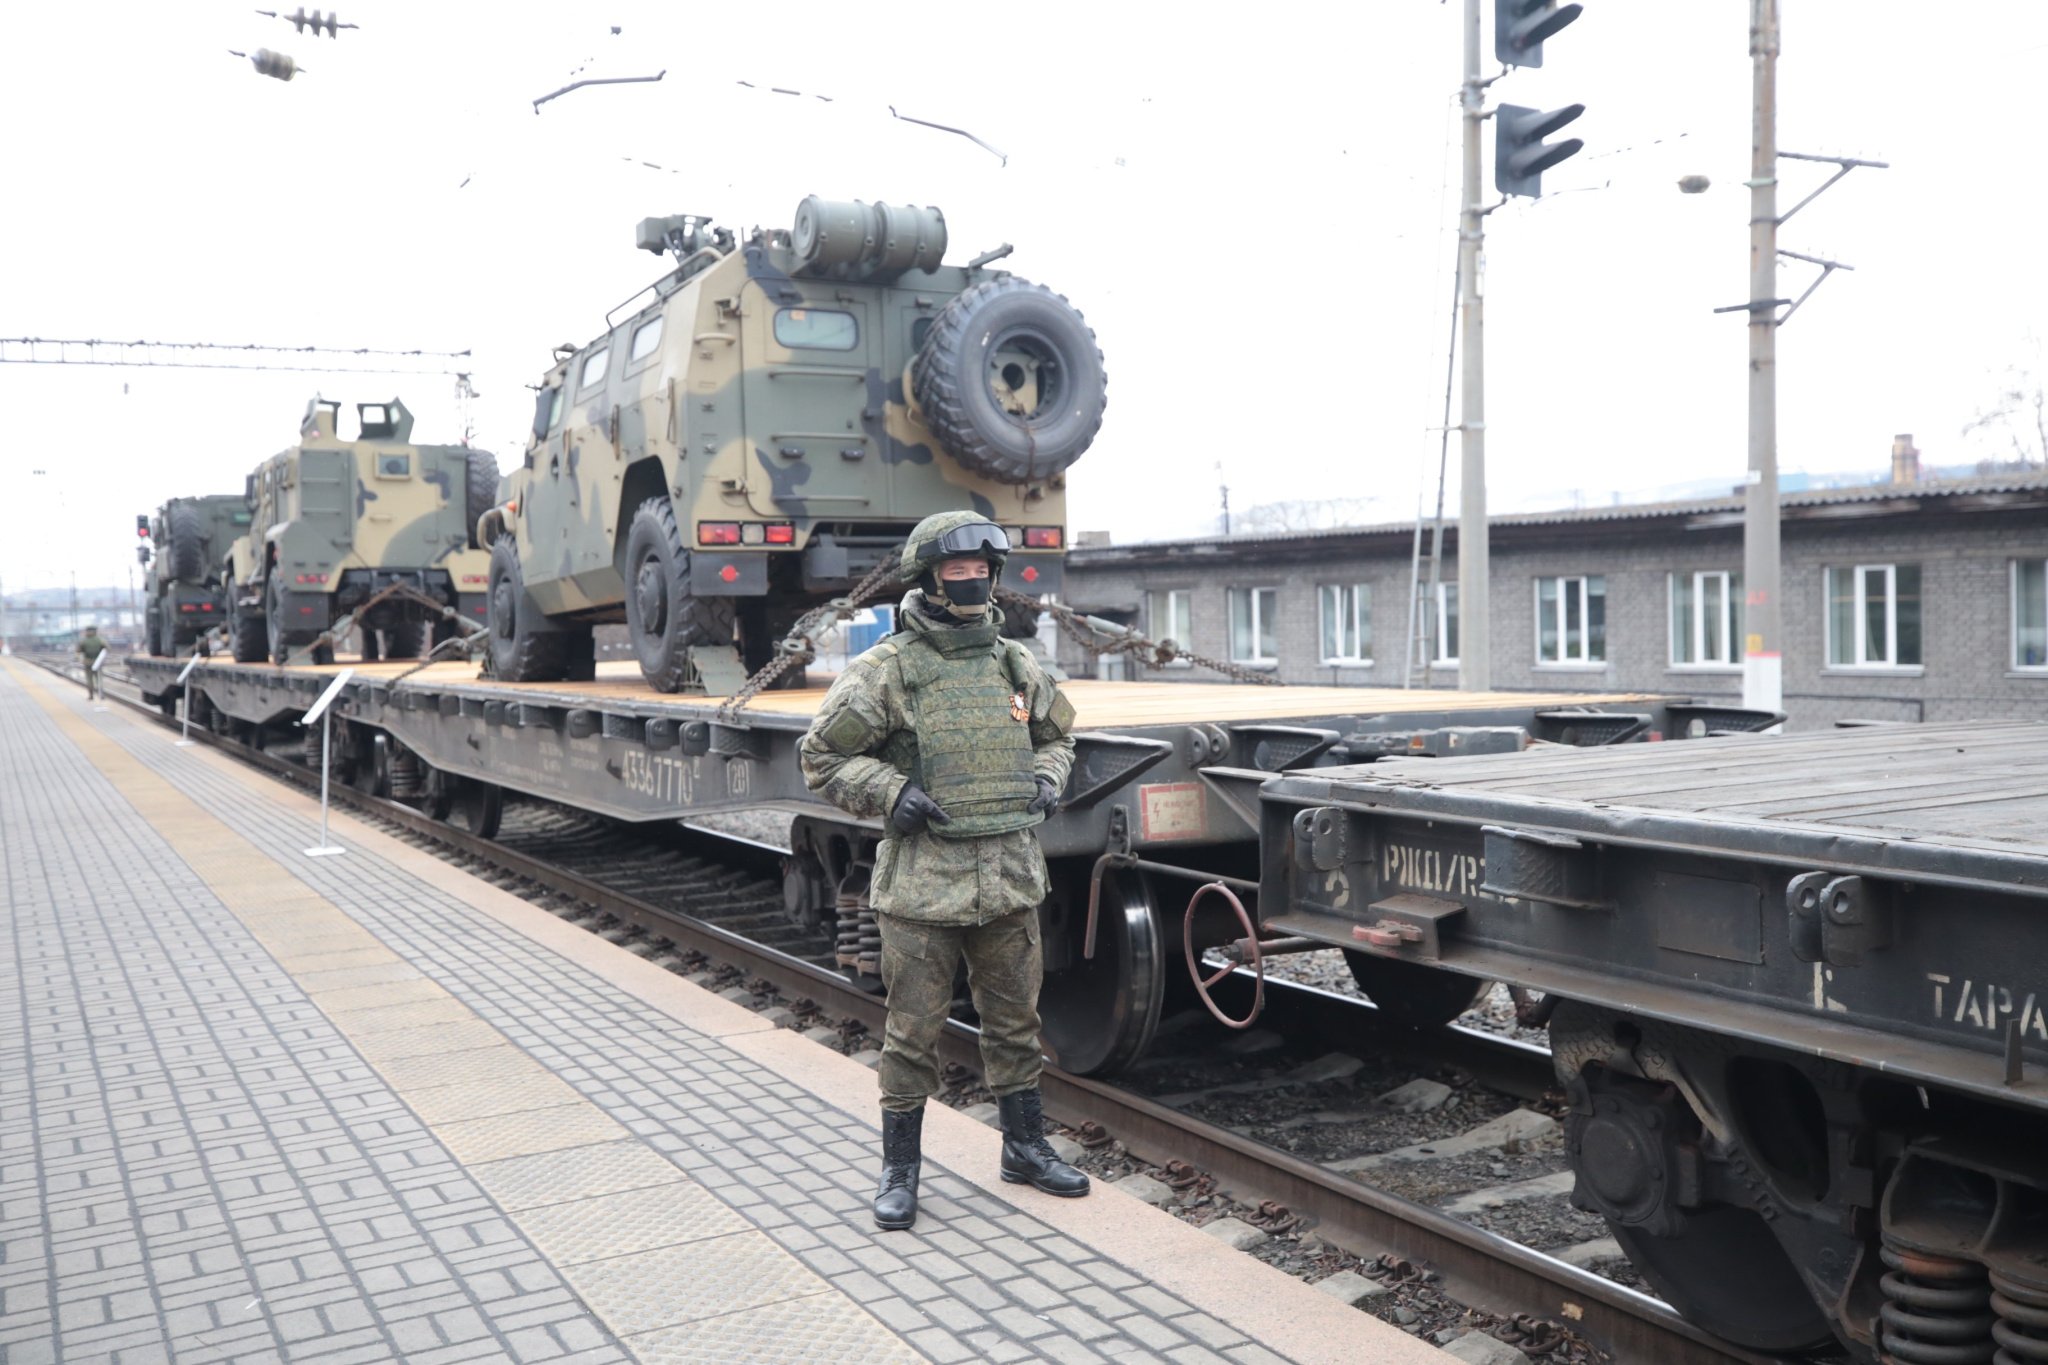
(482, 491)
(1011, 381)
(188, 543)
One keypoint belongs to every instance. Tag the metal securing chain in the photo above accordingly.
(799, 646)
(1097, 636)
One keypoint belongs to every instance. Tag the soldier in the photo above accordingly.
(957, 739)
(90, 647)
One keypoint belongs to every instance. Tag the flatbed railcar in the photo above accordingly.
(1165, 780)
(1800, 995)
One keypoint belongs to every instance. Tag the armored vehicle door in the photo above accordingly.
(815, 399)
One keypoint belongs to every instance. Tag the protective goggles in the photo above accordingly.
(975, 538)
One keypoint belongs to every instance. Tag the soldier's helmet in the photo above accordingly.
(951, 535)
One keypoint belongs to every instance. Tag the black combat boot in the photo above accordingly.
(902, 1150)
(1028, 1159)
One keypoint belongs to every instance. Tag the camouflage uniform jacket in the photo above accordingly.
(90, 647)
(925, 876)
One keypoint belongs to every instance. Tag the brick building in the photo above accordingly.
(1902, 601)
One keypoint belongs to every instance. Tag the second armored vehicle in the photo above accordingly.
(760, 433)
(336, 522)
(184, 544)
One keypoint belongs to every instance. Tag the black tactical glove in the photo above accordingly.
(1047, 794)
(914, 810)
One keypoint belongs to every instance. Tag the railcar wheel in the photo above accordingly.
(1410, 993)
(1098, 1015)
(1727, 1274)
(478, 807)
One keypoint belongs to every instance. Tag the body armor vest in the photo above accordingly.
(973, 725)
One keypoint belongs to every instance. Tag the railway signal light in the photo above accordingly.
(1520, 155)
(1520, 26)
(142, 525)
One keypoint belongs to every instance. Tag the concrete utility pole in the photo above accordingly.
(1475, 666)
(1763, 680)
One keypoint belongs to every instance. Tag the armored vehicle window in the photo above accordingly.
(394, 466)
(919, 330)
(646, 337)
(239, 517)
(817, 329)
(594, 367)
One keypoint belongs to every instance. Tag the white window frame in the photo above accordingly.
(1252, 596)
(1584, 658)
(1329, 602)
(2013, 596)
(1179, 602)
(1444, 590)
(1730, 620)
(1859, 616)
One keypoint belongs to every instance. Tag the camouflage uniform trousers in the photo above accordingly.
(1005, 964)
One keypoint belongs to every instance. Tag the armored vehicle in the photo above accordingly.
(184, 544)
(334, 522)
(757, 432)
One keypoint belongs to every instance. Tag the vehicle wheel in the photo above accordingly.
(278, 638)
(519, 653)
(406, 640)
(1011, 381)
(369, 652)
(188, 543)
(153, 631)
(167, 638)
(1410, 993)
(248, 629)
(482, 490)
(663, 617)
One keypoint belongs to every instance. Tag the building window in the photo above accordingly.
(1169, 615)
(1706, 619)
(2030, 613)
(1253, 614)
(1874, 616)
(1571, 620)
(1447, 624)
(1347, 623)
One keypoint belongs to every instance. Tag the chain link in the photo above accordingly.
(799, 646)
(1097, 637)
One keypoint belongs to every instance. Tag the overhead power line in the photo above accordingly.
(214, 355)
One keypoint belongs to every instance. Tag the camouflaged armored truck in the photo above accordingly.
(184, 544)
(334, 522)
(763, 426)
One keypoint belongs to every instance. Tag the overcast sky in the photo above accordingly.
(1254, 208)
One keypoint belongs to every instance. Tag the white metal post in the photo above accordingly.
(1475, 666)
(322, 711)
(1763, 677)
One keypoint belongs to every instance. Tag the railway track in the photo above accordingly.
(711, 904)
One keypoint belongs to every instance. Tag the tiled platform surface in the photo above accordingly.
(257, 1106)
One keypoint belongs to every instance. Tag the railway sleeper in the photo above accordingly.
(1791, 1204)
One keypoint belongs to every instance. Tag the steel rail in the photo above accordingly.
(1478, 1268)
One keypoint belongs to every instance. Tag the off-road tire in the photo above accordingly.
(406, 640)
(372, 647)
(248, 632)
(519, 652)
(153, 631)
(663, 617)
(952, 375)
(188, 544)
(482, 490)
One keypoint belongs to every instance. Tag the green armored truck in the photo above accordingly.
(183, 545)
(758, 430)
(335, 522)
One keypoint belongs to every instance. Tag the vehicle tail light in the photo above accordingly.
(1042, 537)
(312, 578)
(186, 606)
(781, 533)
(718, 533)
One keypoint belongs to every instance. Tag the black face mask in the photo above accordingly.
(964, 599)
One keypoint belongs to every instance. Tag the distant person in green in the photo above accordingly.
(90, 647)
(957, 740)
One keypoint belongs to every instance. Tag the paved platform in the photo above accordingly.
(260, 1106)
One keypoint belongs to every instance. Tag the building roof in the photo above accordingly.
(1997, 492)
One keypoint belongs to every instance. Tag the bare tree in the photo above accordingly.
(2015, 422)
